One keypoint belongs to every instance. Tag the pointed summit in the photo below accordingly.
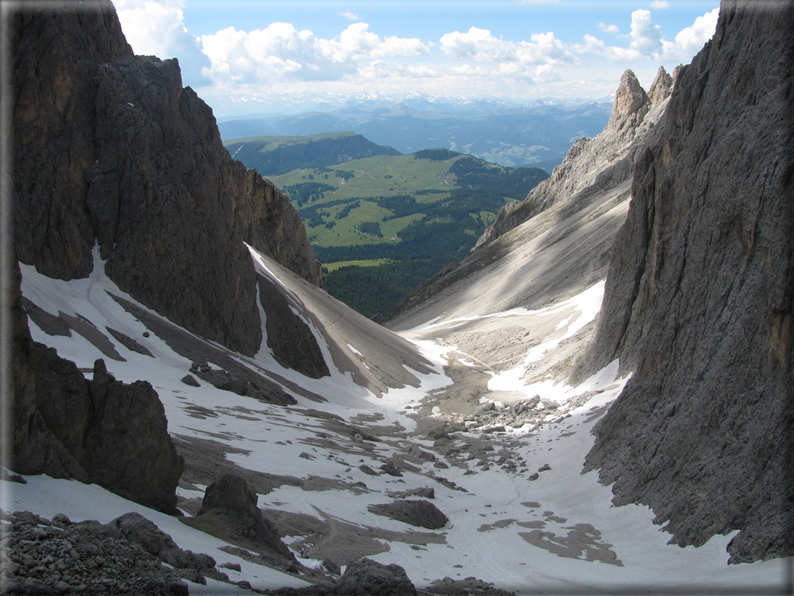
(661, 87)
(631, 103)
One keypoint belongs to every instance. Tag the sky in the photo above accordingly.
(243, 56)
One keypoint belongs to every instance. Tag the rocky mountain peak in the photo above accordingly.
(661, 87)
(631, 103)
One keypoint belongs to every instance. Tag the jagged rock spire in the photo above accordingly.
(631, 103)
(661, 87)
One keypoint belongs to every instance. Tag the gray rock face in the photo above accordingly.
(110, 149)
(415, 512)
(100, 431)
(231, 499)
(699, 300)
(366, 577)
(631, 104)
(291, 340)
(661, 87)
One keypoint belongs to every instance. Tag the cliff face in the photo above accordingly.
(110, 149)
(699, 300)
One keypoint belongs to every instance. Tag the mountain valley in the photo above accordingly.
(593, 396)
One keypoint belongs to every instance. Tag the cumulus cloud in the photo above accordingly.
(156, 28)
(647, 41)
(480, 45)
(612, 29)
(689, 41)
(281, 51)
(350, 16)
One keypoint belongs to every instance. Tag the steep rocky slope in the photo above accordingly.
(699, 300)
(549, 247)
(109, 149)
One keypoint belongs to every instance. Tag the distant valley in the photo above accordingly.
(382, 225)
(513, 136)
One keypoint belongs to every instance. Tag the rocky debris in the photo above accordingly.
(110, 150)
(470, 586)
(235, 383)
(414, 512)
(58, 556)
(367, 470)
(100, 431)
(424, 492)
(391, 469)
(698, 300)
(231, 503)
(366, 577)
(140, 530)
(527, 415)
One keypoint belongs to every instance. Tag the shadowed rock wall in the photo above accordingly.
(110, 149)
(699, 300)
(100, 431)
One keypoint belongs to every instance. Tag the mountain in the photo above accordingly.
(699, 298)
(698, 289)
(271, 156)
(508, 135)
(309, 449)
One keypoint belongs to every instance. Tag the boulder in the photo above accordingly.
(366, 577)
(414, 512)
(231, 501)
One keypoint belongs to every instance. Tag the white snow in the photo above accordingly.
(491, 523)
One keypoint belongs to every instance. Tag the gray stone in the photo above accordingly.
(366, 577)
(231, 498)
(191, 381)
(414, 512)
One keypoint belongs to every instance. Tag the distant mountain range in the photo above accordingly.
(271, 156)
(505, 133)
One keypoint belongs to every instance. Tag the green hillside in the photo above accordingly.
(271, 156)
(384, 224)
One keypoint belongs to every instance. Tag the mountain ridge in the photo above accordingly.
(271, 156)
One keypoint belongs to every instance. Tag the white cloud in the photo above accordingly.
(648, 43)
(612, 29)
(481, 45)
(156, 28)
(646, 37)
(660, 4)
(691, 40)
(350, 16)
(280, 51)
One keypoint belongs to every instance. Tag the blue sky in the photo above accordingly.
(243, 55)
